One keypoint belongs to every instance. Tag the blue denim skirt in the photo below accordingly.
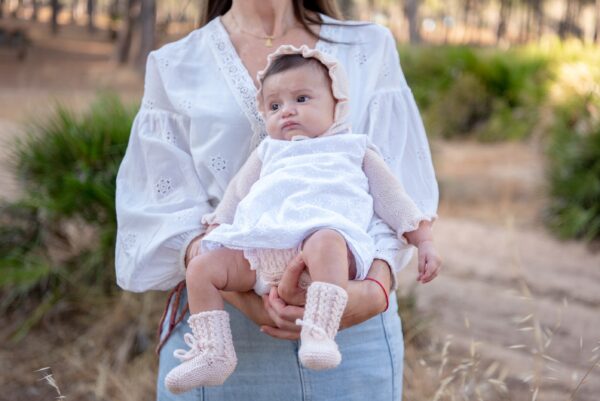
(268, 369)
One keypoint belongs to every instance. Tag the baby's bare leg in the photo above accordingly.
(208, 273)
(326, 256)
(325, 253)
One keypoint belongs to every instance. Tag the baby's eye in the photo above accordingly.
(302, 99)
(274, 106)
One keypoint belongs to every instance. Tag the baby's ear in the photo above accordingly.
(262, 112)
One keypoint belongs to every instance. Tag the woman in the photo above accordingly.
(197, 124)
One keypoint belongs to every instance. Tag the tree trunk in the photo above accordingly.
(576, 29)
(148, 27)
(526, 24)
(35, 5)
(411, 9)
(115, 14)
(147, 30)
(597, 30)
(566, 24)
(15, 13)
(91, 5)
(466, 17)
(55, 10)
(73, 12)
(504, 17)
(131, 14)
(479, 15)
(538, 12)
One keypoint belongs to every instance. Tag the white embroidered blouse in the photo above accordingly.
(194, 129)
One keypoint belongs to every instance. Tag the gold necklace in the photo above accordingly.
(268, 38)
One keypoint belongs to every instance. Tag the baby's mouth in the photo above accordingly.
(289, 125)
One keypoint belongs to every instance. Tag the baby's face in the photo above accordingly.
(298, 102)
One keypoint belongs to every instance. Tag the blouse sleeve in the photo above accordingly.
(394, 125)
(390, 201)
(238, 188)
(159, 199)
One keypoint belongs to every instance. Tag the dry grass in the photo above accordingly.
(105, 351)
(436, 371)
(108, 355)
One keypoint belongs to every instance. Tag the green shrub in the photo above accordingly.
(488, 94)
(460, 109)
(67, 166)
(493, 95)
(574, 169)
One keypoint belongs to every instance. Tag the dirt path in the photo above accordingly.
(507, 282)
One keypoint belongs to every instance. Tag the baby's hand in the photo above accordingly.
(429, 261)
(211, 227)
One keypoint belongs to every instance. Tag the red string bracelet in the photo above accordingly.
(387, 299)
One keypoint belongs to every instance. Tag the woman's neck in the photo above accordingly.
(273, 17)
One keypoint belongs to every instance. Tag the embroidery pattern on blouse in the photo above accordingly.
(148, 104)
(163, 63)
(170, 137)
(237, 76)
(128, 241)
(185, 105)
(164, 186)
(360, 57)
(328, 32)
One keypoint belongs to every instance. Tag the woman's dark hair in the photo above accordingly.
(290, 61)
(215, 8)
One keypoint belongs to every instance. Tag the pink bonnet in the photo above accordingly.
(339, 82)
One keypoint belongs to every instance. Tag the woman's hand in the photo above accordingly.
(289, 289)
(250, 305)
(193, 248)
(285, 303)
(274, 317)
(283, 315)
(366, 298)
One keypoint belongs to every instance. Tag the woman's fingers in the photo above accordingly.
(287, 312)
(284, 317)
(288, 287)
(282, 321)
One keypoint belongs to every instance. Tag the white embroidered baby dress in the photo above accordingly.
(304, 185)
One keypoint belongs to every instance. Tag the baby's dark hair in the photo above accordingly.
(290, 61)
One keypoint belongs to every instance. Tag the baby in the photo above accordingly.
(310, 187)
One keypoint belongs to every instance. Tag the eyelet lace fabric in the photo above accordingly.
(240, 82)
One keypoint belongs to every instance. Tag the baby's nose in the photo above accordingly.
(288, 109)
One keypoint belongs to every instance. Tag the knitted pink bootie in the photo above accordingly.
(325, 304)
(211, 357)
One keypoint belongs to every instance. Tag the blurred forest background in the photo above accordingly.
(509, 91)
